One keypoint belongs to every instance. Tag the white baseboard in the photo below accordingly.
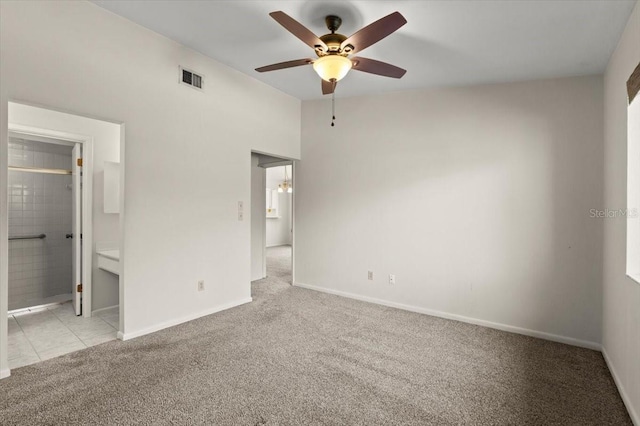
(171, 323)
(5, 373)
(446, 315)
(103, 309)
(623, 394)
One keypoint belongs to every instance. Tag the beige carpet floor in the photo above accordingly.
(298, 357)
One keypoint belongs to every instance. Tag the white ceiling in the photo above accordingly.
(444, 43)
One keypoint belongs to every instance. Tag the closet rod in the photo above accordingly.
(40, 170)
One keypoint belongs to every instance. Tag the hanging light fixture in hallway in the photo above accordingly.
(286, 185)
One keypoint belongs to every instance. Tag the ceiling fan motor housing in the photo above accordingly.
(333, 41)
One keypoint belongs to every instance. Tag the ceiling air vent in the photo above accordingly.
(191, 78)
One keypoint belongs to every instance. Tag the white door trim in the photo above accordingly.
(87, 199)
(263, 224)
(293, 222)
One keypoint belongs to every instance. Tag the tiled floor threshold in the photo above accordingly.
(48, 332)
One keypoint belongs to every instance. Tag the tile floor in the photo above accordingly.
(49, 332)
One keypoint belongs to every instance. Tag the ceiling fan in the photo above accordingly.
(333, 49)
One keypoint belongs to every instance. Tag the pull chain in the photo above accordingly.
(333, 108)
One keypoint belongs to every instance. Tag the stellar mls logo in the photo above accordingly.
(613, 214)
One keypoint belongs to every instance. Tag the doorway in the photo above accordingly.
(44, 205)
(279, 221)
(272, 220)
(45, 220)
(60, 300)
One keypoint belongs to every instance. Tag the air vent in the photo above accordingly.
(190, 78)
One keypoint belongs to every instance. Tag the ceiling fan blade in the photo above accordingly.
(375, 32)
(287, 64)
(377, 67)
(328, 87)
(299, 30)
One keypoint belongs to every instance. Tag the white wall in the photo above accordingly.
(180, 201)
(106, 147)
(279, 229)
(621, 295)
(476, 198)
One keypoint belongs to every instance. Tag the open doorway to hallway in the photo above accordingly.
(279, 223)
(272, 192)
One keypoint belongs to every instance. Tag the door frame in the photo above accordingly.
(293, 222)
(87, 198)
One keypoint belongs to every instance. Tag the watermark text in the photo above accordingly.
(613, 213)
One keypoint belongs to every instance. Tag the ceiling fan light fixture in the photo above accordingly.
(332, 67)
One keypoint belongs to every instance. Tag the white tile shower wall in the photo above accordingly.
(39, 204)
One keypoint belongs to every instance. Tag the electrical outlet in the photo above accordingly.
(240, 206)
(201, 285)
(370, 276)
(392, 279)
(240, 216)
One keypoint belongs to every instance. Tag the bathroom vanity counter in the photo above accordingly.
(109, 260)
